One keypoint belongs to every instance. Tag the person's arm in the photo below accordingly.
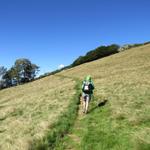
(93, 86)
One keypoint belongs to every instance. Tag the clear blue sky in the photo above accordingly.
(54, 32)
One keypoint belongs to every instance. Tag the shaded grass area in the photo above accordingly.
(59, 129)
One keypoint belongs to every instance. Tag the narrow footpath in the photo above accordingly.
(72, 141)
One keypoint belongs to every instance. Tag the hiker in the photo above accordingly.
(87, 91)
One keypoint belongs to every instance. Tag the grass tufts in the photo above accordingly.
(142, 139)
(61, 127)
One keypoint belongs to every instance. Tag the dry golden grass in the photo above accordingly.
(141, 139)
(28, 110)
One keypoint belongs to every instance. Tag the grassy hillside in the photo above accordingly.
(27, 112)
(124, 122)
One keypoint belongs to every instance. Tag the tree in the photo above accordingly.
(2, 71)
(34, 71)
(7, 78)
(24, 70)
(78, 61)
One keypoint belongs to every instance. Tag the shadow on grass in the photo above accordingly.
(100, 104)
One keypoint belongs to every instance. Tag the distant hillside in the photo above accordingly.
(97, 53)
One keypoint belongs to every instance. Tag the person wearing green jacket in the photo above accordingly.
(87, 91)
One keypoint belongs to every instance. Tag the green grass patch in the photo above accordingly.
(102, 134)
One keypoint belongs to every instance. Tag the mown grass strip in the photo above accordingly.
(59, 129)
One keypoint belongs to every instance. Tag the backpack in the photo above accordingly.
(87, 87)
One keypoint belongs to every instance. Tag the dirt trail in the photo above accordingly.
(74, 135)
